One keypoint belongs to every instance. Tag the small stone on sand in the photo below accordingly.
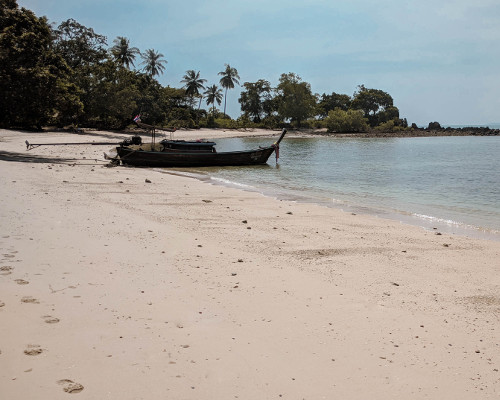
(70, 386)
(50, 320)
(29, 299)
(33, 350)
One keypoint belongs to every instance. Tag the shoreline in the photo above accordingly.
(427, 223)
(293, 132)
(475, 232)
(176, 288)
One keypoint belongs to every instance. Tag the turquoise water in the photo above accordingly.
(449, 183)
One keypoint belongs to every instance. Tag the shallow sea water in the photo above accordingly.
(452, 183)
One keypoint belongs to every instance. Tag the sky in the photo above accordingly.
(439, 60)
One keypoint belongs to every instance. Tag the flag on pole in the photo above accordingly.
(137, 118)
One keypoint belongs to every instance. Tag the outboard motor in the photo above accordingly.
(133, 140)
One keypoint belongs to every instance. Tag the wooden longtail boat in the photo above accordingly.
(180, 153)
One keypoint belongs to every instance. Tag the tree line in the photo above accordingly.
(68, 76)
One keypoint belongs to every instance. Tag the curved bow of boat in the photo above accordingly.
(276, 145)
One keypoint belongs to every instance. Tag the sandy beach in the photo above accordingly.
(123, 283)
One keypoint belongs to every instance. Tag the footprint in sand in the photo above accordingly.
(6, 270)
(2, 304)
(29, 299)
(21, 281)
(70, 386)
(33, 350)
(50, 320)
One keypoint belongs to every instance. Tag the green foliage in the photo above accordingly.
(245, 122)
(349, 121)
(389, 126)
(151, 101)
(153, 62)
(229, 78)
(193, 84)
(389, 114)
(374, 103)
(257, 100)
(69, 76)
(213, 95)
(393, 125)
(329, 102)
(114, 94)
(80, 46)
(271, 122)
(314, 123)
(226, 123)
(295, 99)
(181, 117)
(85, 52)
(36, 82)
(123, 53)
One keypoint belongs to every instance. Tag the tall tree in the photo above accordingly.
(114, 96)
(84, 50)
(374, 103)
(123, 53)
(193, 84)
(229, 78)
(80, 46)
(329, 102)
(295, 99)
(35, 82)
(213, 94)
(256, 99)
(153, 62)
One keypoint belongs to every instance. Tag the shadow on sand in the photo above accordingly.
(18, 157)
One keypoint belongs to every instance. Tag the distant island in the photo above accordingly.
(431, 130)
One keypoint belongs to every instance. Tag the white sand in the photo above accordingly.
(159, 290)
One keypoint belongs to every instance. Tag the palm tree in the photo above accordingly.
(123, 53)
(213, 94)
(229, 78)
(153, 63)
(193, 84)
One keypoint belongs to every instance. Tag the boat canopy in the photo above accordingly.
(183, 145)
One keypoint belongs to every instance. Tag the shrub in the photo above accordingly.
(386, 126)
(346, 121)
(226, 123)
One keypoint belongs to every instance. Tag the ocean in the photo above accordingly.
(446, 183)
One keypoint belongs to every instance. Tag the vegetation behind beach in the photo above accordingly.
(68, 76)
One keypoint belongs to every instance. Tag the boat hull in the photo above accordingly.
(165, 159)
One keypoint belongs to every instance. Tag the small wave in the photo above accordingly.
(440, 220)
(459, 227)
(337, 201)
(227, 182)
